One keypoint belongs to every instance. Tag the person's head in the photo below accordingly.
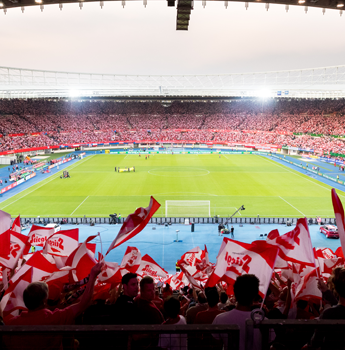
(246, 289)
(223, 297)
(172, 307)
(212, 296)
(202, 298)
(130, 284)
(339, 282)
(35, 295)
(147, 288)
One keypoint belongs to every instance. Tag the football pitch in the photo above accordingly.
(263, 186)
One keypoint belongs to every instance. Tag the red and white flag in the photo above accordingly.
(175, 281)
(237, 258)
(16, 226)
(307, 287)
(62, 243)
(135, 223)
(294, 246)
(17, 245)
(42, 265)
(13, 297)
(5, 221)
(82, 260)
(148, 267)
(339, 217)
(38, 235)
(325, 253)
(131, 259)
(5, 243)
(191, 280)
(111, 273)
(57, 280)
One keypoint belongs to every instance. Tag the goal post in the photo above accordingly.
(187, 208)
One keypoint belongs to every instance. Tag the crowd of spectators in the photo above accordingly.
(39, 123)
(131, 303)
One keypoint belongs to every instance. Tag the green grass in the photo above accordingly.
(263, 186)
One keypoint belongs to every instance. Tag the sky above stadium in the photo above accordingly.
(139, 40)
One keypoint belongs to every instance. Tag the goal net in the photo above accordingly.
(187, 208)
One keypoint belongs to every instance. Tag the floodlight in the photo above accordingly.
(264, 93)
(1, 4)
(74, 93)
(301, 1)
(38, 1)
(340, 4)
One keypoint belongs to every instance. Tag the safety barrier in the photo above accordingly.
(197, 337)
(293, 333)
(179, 220)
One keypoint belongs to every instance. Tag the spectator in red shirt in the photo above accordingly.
(148, 313)
(207, 316)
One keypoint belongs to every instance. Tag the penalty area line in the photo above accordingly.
(291, 205)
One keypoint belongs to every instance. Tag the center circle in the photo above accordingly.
(178, 171)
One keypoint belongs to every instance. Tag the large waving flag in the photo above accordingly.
(237, 258)
(135, 223)
(62, 243)
(111, 273)
(17, 245)
(13, 297)
(148, 267)
(339, 217)
(131, 259)
(5, 221)
(38, 235)
(176, 281)
(16, 226)
(82, 260)
(294, 246)
(43, 265)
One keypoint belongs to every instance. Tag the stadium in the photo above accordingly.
(171, 211)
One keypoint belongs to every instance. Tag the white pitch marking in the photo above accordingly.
(56, 176)
(79, 205)
(291, 205)
(292, 172)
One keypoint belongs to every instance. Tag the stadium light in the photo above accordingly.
(264, 93)
(1, 4)
(74, 93)
(38, 1)
(340, 4)
(301, 1)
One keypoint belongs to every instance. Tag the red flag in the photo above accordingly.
(294, 246)
(135, 223)
(175, 281)
(62, 243)
(43, 265)
(131, 259)
(339, 252)
(5, 242)
(148, 267)
(38, 235)
(325, 253)
(16, 226)
(237, 258)
(193, 283)
(5, 221)
(307, 287)
(82, 260)
(339, 217)
(13, 297)
(17, 245)
(111, 273)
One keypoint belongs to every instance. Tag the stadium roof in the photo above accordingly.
(326, 82)
(184, 7)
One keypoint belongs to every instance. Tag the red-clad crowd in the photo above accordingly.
(37, 123)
